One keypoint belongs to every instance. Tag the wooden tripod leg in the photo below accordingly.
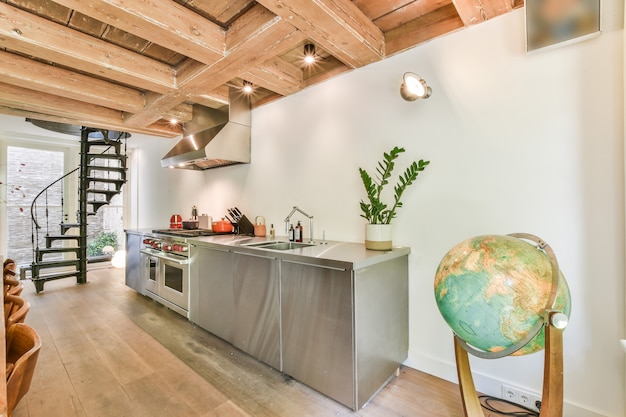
(552, 396)
(471, 404)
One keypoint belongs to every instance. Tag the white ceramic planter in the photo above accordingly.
(378, 236)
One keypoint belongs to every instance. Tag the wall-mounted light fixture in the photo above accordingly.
(247, 87)
(309, 54)
(414, 87)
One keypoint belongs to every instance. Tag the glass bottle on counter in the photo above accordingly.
(272, 232)
(298, 232)
(291, 233)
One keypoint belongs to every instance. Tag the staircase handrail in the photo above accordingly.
(32, 206)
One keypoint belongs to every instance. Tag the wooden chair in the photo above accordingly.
(12, 286)
(15, 310)
(23, 345)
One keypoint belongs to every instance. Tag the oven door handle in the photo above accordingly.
(164, 256)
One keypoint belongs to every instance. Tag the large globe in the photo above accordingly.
(493, 290)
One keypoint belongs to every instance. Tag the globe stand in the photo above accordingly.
(554, 322)
(552, 395)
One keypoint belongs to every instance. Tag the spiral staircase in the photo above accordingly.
(60, 249)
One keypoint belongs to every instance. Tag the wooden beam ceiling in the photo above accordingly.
(133, 65)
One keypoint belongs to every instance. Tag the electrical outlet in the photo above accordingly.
(525, 399)
(509, 394)
(521, 397)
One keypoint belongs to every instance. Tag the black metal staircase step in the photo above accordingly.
(106, 143)
(63, 237)
(40, 279)
(52, 238)
(38, 266)
(96, 204)
(67, 226)
(91, 168)
(108, 193)
(115, 181)
(40, 252)
(106, 156)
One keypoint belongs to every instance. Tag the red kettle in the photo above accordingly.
(176, 221)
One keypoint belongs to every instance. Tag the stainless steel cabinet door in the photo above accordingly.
(256, 327)
(317, 328)
(211, 304)
(133, 262)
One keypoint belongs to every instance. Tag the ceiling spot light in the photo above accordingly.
(414, 87)
(309, 54)
(247, 87)
(173, 121)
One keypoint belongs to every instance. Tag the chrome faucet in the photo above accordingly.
(295, 208)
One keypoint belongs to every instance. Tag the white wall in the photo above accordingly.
(518, 143)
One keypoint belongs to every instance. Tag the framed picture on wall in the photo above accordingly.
(552, 23)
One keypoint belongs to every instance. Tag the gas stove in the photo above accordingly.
(165, 246)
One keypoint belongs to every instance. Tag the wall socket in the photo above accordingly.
(521, 397)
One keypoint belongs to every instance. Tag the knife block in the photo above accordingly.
(245, 226)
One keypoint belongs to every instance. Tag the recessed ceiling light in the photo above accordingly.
(247, 87)
(309, 54)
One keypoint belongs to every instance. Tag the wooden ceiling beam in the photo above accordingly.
(441, 21)
(276, 75)
(157, 129)
(221, 10)
(34, 75)
(167, 24)
(266, 35)
(337, 26)
(407, 13)
(32, 35)
(478, 11)
(213, 99)
(181, 113)
(58, 109)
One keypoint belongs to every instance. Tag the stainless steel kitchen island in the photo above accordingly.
(333, 316)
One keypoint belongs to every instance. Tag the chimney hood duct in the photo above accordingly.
(214, 138)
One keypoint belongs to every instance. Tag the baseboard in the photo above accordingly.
(484, 383)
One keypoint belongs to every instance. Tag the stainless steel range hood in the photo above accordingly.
(214, 138)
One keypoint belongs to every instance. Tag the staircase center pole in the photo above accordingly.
(81, 278)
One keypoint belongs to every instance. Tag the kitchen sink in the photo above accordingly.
(280, 245)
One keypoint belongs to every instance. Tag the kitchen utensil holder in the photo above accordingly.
(245, 226)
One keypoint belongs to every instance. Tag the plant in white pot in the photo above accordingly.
(377, 213)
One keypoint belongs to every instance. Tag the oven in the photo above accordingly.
(165, 272)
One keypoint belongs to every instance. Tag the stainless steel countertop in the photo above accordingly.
(330, 253)
(346, 255)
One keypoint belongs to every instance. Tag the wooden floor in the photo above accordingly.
(108, 351)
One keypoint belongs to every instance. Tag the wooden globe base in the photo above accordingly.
(552, 395)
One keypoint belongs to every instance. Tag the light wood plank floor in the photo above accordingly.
(108, 351)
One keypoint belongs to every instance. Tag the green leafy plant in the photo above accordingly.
(375, 211)
(102, 239)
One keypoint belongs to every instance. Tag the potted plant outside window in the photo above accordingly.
(375, 211)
